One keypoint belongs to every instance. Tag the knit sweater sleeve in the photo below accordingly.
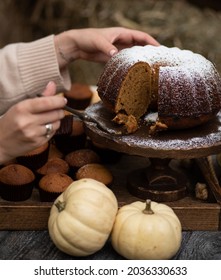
(26, 68)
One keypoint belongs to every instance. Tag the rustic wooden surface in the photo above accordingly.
(36, 244)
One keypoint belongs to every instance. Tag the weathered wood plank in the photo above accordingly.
(32, 215)
(37, 245)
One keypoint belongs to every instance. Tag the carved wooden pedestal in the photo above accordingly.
(159, 181)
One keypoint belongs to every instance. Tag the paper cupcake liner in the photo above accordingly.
(48, 196)
(35, 161)
(66, 126)
(39, 175)
(67, 144)
(16, 193)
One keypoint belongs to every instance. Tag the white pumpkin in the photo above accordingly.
(82, 217)
(146, 231)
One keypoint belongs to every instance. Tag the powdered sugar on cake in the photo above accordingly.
(188, 85)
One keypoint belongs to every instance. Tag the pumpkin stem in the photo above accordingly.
(60, 205)
(148, 209)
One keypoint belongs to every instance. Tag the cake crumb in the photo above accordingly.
(130, 122)
(156, 127)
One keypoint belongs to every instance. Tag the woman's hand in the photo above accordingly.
(97, 44)
(23, 127)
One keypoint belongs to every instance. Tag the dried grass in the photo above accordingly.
(172, 23)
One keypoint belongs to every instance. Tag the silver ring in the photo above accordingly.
(49, 130)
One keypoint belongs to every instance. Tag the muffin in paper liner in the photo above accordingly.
(77, 159)
(16, 182)
(95, 171)
(66, 125)
(36, 158)
(71, 134)
(53, 165)
(52, 185)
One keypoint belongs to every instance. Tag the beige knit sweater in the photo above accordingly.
(25, 70)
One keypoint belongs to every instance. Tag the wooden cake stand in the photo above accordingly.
(159, 181)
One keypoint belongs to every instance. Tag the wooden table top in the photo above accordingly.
(36, 245)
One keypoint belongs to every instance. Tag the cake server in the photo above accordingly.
(98, 120)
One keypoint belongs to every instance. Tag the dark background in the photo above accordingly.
(193, 25)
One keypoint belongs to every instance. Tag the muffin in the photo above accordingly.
(79, 158)
(53, 165)
(79, 96)
(52, 185)
(36, 158)
(75, 138)
(66, 125)
(12, 161)
(16, 182)
(95, 171)
(54, 152)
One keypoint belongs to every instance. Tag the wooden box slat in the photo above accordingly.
(25, 215)
(33, 214)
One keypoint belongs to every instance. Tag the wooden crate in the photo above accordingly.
(33, 214)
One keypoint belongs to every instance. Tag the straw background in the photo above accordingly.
(193, 25)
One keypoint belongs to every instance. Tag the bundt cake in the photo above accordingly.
(182, 88)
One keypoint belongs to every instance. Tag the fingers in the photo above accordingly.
(49, 117)
(46, 103)
(142, 38)
(99, 45)
(48, 130)
(34, 114)
(134, 37)
(121, 38)
(50, 89)
(49, 120)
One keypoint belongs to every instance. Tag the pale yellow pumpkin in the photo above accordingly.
(146, 231)
(82, 217)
